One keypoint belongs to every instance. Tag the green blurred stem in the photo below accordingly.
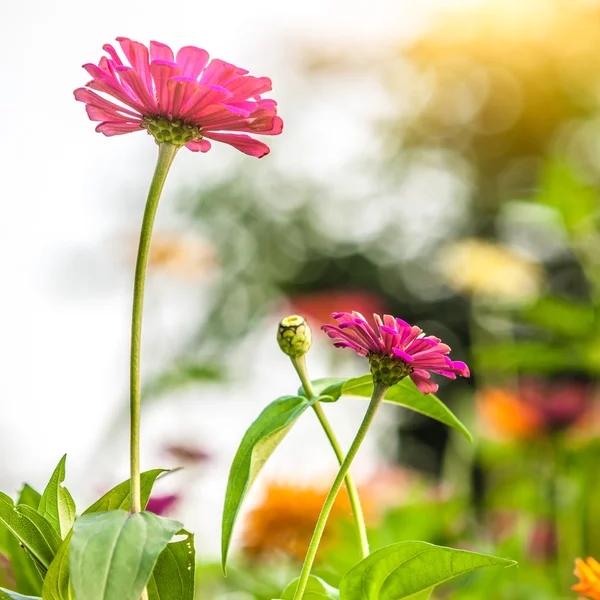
(359, 519)
(376, 399)
(166, 154)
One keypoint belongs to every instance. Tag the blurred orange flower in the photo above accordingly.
(540, 406)
(283, 523)
(588, 573)
(506, 414)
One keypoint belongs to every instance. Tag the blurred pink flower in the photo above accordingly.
(543, 541)
(396, 345)
(186, 453)
(162, 505)
(183, 99)
(560, 404)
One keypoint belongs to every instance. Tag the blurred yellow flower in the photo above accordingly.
(588, 573)
(283, 523)
(490, 270)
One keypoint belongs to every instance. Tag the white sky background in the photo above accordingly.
(70, 196)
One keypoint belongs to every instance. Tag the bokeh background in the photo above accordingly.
(440, 161)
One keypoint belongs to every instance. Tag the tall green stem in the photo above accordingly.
(299, 363)
(378, 393)
(166, 154)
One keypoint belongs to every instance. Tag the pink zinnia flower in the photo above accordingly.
(395, 349)
(183, 99)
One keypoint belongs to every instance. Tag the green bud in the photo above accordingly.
(294, 336)
(388, 371)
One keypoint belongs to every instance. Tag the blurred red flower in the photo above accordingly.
(316, 307)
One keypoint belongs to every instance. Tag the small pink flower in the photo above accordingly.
(395, 349)
(183, 99)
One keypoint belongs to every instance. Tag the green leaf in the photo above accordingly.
(119, 498)
(31, 529)
(404, 393)
(56, 503)
(29, 496)
(173, 576)
(410, 570)
(113, 554)
(316, 589)
(257, 445)
(56, 583)
(28, 575)
(319, 385)
(9, 595)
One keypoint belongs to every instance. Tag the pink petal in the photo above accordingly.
(137, 55)
(114, 128)
(192, 60)
(219, 72)
(198, 146)
(133, 79)
(403, 355)
(113, 54)
(243, 143)
(117, 91)
(162, 71)
(96, 113)
(425, 386)
(248, 87)
(89, 97)
(180, 89)
(204, 97)
(160, 51)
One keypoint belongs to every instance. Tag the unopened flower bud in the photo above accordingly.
(294, 336)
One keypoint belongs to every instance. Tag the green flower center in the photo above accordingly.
(174, 132)
(388, 371)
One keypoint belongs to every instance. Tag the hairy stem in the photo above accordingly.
(166, 154)
(359, 519)
(378, 393)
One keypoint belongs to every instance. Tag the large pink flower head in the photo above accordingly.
(183, 100)
(395, 349)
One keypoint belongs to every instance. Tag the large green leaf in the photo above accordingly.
(31, 529)
(9, 595)
(173, 576)
(258, 443)
(56, 582)
(56, 503)
(410, 570)
(404, 393)
(119, 498)
(316, 589)
(113, 554)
